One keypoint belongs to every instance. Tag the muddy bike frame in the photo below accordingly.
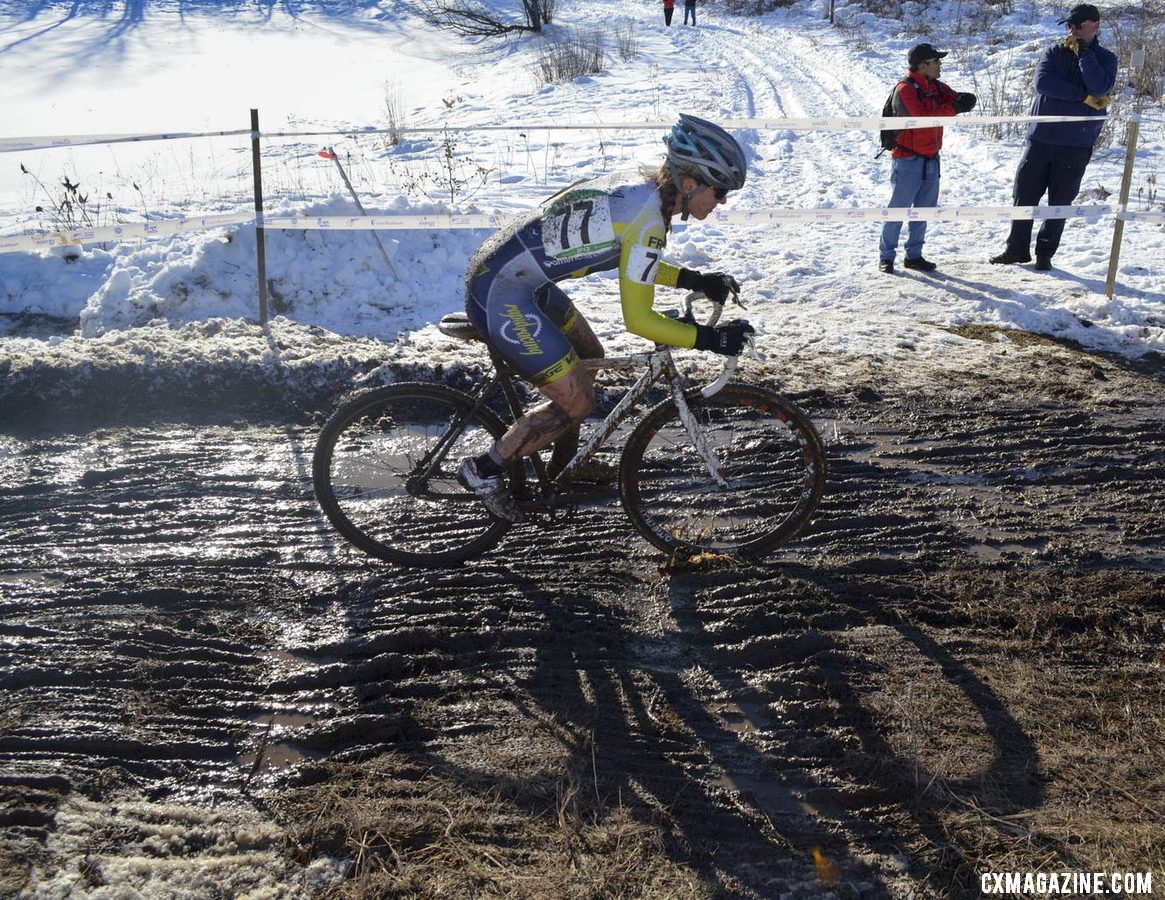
(657, 364)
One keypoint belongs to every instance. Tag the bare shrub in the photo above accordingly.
(626, 40)
(1005, 90)
(857, 35)
(575, 54)
(887, 9)
(545, 9)
(393, 111)
(755, 7)
(471, 17)
(1148, 36)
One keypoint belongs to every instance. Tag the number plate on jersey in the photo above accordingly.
(578, 226)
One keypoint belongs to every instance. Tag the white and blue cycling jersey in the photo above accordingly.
(611, 222)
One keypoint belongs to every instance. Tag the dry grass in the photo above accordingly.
(1082, 683)
(407, 830)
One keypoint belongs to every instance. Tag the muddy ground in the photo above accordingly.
(957, 670)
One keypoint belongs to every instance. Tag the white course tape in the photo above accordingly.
(1145, 215)
(734, 217)
(122, 232)
(481, 220)
(386, 223)
(822, 123)
(8, 145)
(912, 214)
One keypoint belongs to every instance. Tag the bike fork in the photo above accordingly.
(695, 432)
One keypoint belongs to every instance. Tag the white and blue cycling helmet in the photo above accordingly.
(705, 150)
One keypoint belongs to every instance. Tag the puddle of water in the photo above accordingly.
(276, 755)
(741, 718)
(29, 577)
(768, 795)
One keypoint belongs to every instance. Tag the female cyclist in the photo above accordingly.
(610, 222)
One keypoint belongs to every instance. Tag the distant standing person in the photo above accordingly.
(669, 7)
(915, 168)
(1074, 77)
(690, 10)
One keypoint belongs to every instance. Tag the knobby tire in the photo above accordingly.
(366, 473)
(769, 453)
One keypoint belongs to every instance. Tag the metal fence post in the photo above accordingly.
(260, 232)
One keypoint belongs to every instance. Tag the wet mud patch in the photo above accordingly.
(956, 670)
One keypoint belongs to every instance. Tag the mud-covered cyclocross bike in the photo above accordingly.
(727, 468)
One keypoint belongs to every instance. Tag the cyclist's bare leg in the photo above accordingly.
(583, 338)
(587, 345)
(570, 399)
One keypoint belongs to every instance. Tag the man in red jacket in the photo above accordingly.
(915, 168)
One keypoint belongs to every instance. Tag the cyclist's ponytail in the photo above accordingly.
(662, 178)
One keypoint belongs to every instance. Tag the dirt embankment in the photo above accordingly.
(957, 670)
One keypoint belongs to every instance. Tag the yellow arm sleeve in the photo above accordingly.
(640, 269)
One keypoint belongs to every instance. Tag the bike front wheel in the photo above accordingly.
(385, 474)
(767, 452)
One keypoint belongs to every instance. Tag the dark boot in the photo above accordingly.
(920, 264)
(1007, 257)
(1043, 262)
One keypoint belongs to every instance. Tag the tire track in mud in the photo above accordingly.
(177, 622)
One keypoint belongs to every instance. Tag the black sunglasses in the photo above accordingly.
(721, 193)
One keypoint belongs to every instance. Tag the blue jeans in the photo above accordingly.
(914, 182)
(689, 10)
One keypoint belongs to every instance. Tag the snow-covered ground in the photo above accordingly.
(151, 66)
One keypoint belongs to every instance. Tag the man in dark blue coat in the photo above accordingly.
(1075, 77)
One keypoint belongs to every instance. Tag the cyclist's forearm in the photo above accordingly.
(644, 321)
(668, 275)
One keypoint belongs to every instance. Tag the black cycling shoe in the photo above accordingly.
(919, 264)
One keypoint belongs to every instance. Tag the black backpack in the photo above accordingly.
(889, 136)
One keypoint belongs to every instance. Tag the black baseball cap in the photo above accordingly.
(923, 52)
(1081, 13)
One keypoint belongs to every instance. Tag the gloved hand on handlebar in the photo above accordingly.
(727, 339)
(716, 286)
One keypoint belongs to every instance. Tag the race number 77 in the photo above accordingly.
(586, 207)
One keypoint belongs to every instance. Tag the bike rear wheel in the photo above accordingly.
(385, 474)
(768, 452)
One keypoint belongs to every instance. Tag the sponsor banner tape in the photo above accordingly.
(817, 123)
(485, 221)
(387, 223)
(8, 145)
(1145, 215)
(735, 217)
(122, 232)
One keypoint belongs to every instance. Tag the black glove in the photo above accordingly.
(727, 339)
(716, 286)
(965, 102)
